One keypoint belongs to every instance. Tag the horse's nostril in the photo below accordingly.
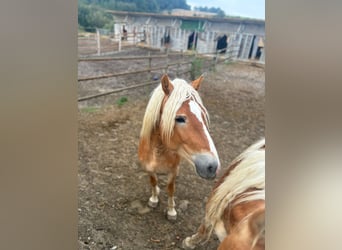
(211, 169)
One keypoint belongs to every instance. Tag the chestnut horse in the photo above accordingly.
(176, 125)
(235, 209)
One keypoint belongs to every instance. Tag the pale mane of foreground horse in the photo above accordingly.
(242, 187)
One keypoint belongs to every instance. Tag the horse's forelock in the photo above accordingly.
(182, 92)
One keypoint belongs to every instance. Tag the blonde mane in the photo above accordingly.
(248, 173)
(181, 92)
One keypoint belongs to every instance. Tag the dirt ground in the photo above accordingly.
(113, 188)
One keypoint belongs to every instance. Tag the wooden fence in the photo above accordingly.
(187, 60)
(92, 44)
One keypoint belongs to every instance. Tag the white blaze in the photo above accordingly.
(196, 110)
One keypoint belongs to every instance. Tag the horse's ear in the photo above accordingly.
(166, 84)
(197, 83)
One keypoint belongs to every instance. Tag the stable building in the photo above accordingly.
(238, 38)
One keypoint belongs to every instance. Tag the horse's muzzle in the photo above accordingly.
(206, 165)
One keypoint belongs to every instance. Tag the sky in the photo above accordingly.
(244, 8)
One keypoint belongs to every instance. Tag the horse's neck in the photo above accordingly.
(156, 142)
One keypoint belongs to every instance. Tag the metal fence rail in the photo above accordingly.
(185, 59)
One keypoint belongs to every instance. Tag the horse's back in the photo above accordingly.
(247, 233)
(244, 215)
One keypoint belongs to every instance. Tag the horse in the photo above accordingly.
(176, 126)
(235, 209)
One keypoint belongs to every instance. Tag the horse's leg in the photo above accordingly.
(200, 236)
(153, 201)
(171, 211)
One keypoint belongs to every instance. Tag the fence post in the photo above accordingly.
(120, 37)
(216, 58)
(149, 65)
(98, 42)
(262, 57)
(178, 64)
(167, 61)
(192, 67)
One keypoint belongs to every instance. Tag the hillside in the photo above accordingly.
(92, 14)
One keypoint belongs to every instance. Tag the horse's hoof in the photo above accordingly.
(171, 217)
(152, 204)
(186, 244)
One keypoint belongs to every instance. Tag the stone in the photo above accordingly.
(136, 204)
(144, 210)
(183, 205)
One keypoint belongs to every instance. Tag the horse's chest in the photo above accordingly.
(162, 160)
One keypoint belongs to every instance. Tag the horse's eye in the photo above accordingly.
(180, 119)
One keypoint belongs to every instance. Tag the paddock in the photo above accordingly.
(113, 188)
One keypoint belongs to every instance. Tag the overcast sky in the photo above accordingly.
(245, 8)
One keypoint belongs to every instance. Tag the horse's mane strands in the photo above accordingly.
(181, 92)
(152, 112)
(258, 236)
(249, 173)
(254, 147)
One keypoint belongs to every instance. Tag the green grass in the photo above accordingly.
(196, 68)
(89, 109)
(229, 62)
(122, 101)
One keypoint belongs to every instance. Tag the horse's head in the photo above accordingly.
(185, 124)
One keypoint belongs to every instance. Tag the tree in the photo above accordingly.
(218, 11)
(91, 13)
(138, 5)
(91, 17)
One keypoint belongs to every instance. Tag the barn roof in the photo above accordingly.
(211, 19)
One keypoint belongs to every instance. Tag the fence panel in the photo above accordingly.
(172, 63)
